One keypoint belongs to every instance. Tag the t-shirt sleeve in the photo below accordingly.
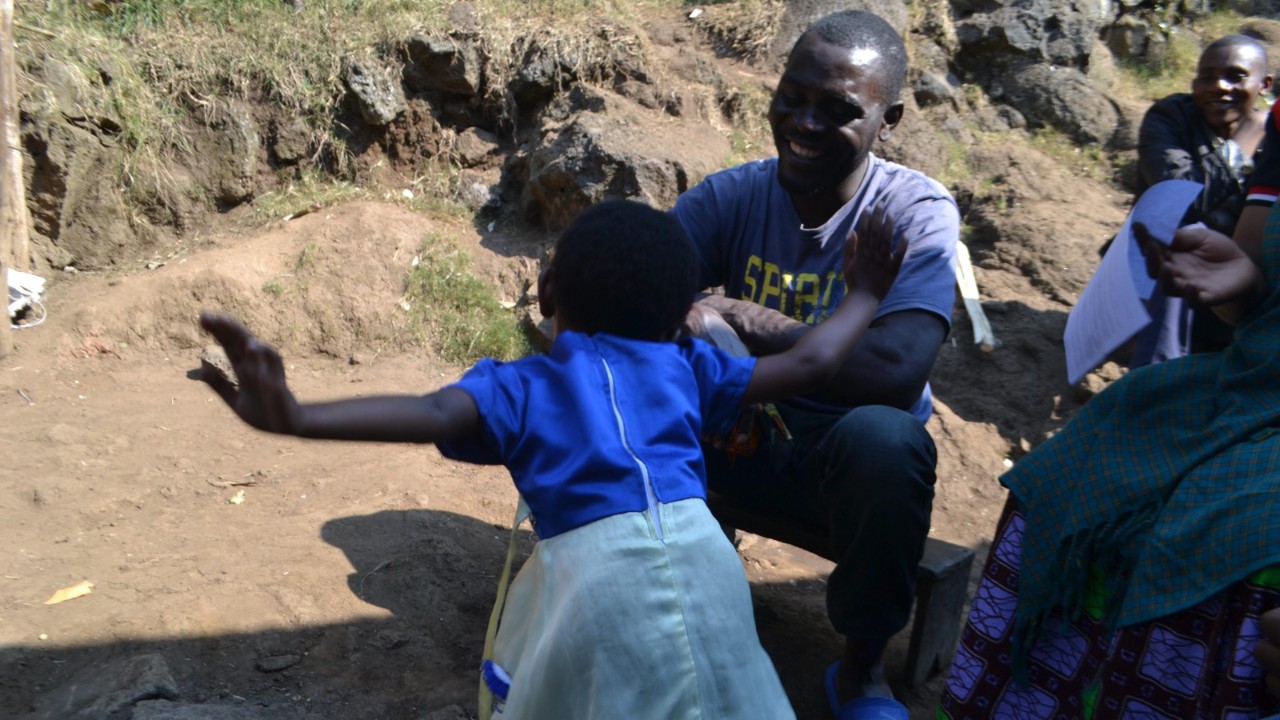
(699, 209)
(498, 394)
(1264, 181)
(927, 279)
(722, 380)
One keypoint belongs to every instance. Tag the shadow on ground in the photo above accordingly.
(435, 572)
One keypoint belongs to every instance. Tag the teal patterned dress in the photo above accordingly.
(1139, 547)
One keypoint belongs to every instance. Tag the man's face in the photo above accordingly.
(826, 113)
(1227, 83)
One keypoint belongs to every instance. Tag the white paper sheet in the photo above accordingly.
(1110, 310)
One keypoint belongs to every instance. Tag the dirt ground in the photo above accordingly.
(284, 578)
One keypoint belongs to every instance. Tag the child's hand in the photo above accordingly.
(263, 398)
(871, 262)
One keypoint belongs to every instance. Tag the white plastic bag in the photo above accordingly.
(25, 290)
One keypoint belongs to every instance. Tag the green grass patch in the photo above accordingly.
(747, 106)
(307, 257)
(308, 193)
(1087, 161)
(955, 169)
(458, 313)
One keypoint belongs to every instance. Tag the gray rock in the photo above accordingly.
(1256, 8)
(1102, 66)
(537, 79)
(935, 89)
(229, 146)
(1062, 98)
(377, 96)
(442, 64)
(476, 146)
(216, 359)
(1000, 118)
(276, 663)
(1130, 114)
(100, 691)
(800, 14)
(1004, 35)
(292, 140)
(70, 90)
(596, 157)
(93, 223)
(477, 190)
(1127, 37)
(463, 17)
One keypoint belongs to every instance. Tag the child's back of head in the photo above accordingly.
(626, 269)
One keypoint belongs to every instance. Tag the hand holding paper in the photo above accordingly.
(1111, 310)
(1201, 265)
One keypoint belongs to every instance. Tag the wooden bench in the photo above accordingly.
(941, 585)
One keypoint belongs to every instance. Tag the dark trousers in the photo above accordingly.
(867, 476)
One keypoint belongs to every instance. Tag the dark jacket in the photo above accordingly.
(1175, 142)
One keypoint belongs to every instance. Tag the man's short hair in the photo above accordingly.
(1235, 41)
(624, 268)
(852, 29)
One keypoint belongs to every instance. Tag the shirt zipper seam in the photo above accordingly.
(651, 496)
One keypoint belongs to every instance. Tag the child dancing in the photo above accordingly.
(633, 604)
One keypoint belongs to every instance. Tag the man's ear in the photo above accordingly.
(892, 116)
(546, 293)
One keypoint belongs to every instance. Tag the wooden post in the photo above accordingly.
(13, 211)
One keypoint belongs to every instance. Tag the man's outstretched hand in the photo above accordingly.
(263, 398)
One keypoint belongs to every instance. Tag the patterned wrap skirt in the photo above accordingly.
(1197, 663)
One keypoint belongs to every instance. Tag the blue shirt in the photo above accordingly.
(593, 428)
(751, 241)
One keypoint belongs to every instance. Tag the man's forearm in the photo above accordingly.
(888, 367)
(762, 330)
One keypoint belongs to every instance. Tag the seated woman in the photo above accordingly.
(1212, 135)
(1140, 547)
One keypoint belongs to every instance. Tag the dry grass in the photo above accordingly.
(745, 28)
(1177, 67)
(166, 58)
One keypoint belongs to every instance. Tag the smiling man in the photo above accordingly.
(770, 233)
(1212, 135)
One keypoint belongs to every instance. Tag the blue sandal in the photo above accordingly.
(862, 708)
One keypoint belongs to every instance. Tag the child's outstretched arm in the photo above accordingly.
(263, 399)
(870, 266)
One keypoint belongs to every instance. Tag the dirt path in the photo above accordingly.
(353, 581)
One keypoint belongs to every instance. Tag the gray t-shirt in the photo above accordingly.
(752, 243)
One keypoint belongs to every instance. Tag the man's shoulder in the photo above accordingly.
(751, 185)
(750, 172)
(1176, 105)
(907, 185)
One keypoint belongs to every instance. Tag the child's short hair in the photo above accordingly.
(626, 269)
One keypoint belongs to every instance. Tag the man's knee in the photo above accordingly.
(882, 441)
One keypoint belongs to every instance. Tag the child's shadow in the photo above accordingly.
(424, 565)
